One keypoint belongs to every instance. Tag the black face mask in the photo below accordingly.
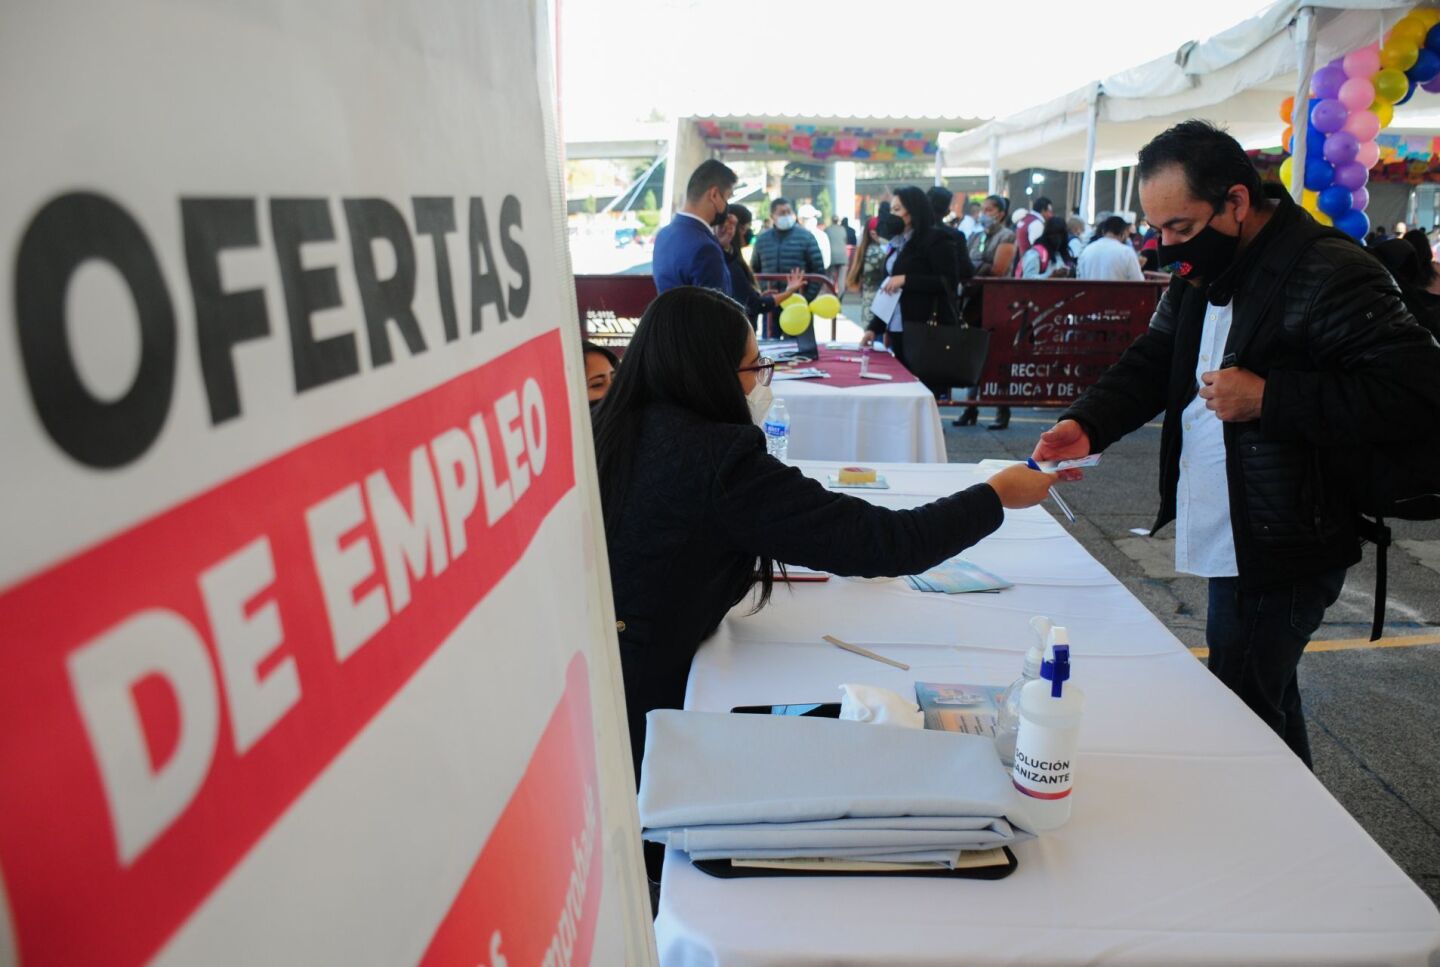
(749, 236)
(1202, 257)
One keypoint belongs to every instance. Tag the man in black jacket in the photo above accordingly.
(1279, 353)
(787, 246)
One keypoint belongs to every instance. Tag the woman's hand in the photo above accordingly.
(868, 339)
(893, 283)
(793, 283)
(1020, 487)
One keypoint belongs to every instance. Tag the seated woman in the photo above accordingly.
(697, 514)
(1050, 257)
(600, 366)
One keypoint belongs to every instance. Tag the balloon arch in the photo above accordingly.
(1351, 99)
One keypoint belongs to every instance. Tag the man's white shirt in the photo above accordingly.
(1204, 542)
(1108, 259)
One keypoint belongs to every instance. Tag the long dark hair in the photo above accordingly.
(1056, 240)
(922, 219)
(743, 219)
(686, 350)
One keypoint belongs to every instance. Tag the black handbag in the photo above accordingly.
(946, 355)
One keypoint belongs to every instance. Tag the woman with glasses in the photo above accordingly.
(697, 514)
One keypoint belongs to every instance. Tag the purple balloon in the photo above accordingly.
(1325, 82)
(1359, 198)
(1341, 148)
(1329, 115)
(1432, 86)
(1351, 176)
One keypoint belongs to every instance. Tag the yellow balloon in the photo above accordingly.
(1322, 218)
(1384, 110)
(1410, 30)
(1287, 167)
(1427, 16)
(825, 306)
(795, 319)
(1399, 55)
(1310, 201)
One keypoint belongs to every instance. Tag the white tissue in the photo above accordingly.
(879, 706)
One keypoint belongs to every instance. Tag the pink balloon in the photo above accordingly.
(1357, 93)
(1363, 124)
(1359, 198)
(1363, 62)
(1368, 155)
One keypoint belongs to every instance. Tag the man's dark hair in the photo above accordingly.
(1041, 204)
(1114, 225)
(940, 199)
(1211, 158)
(710, 174)
(1000, 202)
(779, 200)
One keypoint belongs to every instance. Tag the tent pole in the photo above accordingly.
(1119, 181)
(1299, 120)
(1087, 187)
(1129, 190)
(939, 178)
(994, 165)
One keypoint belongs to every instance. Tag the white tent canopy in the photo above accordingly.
(1237, 78)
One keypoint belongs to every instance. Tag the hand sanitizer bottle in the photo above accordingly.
(1044, 769)
(1007, 706)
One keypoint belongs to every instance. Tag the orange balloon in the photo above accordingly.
(1286, 136)
(1287, 112)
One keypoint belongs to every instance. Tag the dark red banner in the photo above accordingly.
(167, 694)
(1051, 339)
(533, 895)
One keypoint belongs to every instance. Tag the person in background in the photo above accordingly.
(1400, 229)
(686, 251)
(1406, 259)
(734, 236)
(810, 221)
(940, 202)
(992, 251)
(867, 269)
(921, 267)
(1075, 226)
(1427, 274)
(835, 237)
(698, 515)
(1029, 226)
(851, 239)
(1109, 256)
(787, 247)
(1049, 257)
(600, 366)
(967, 217)
(1261, 420)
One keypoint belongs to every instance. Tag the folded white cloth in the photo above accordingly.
(772, 786)
(879, 706)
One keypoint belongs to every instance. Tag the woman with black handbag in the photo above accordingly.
(921, 268)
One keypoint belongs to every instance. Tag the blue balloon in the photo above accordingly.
(1354, 223)
(1334, 201)
(1410, 92)
(1318, 173)
(1432, 39)
(1427, 66)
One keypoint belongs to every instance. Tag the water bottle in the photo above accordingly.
(777, 430)
(1007, 706)
(864, 359)
(1049, 737)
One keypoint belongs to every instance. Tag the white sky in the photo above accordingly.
(623, 58)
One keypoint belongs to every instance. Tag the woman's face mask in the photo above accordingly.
(759, 400)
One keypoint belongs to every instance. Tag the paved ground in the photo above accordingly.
(1374, 713)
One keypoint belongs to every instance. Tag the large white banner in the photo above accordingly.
(306, 653)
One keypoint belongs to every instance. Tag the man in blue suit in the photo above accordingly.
(686, 251)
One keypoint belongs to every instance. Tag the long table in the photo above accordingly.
(894, 421)
(1197, 837)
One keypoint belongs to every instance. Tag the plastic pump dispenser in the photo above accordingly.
(1045, 746)
(1007, 704)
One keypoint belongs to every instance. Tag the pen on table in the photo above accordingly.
(1059, 501)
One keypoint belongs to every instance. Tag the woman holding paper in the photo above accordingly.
(921, 279)
(697, 514)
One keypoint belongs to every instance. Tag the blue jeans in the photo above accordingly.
(1256, 639)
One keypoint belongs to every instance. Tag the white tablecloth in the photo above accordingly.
(879, 422)
(1196, 837)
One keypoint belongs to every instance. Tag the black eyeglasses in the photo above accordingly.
(763, 369)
